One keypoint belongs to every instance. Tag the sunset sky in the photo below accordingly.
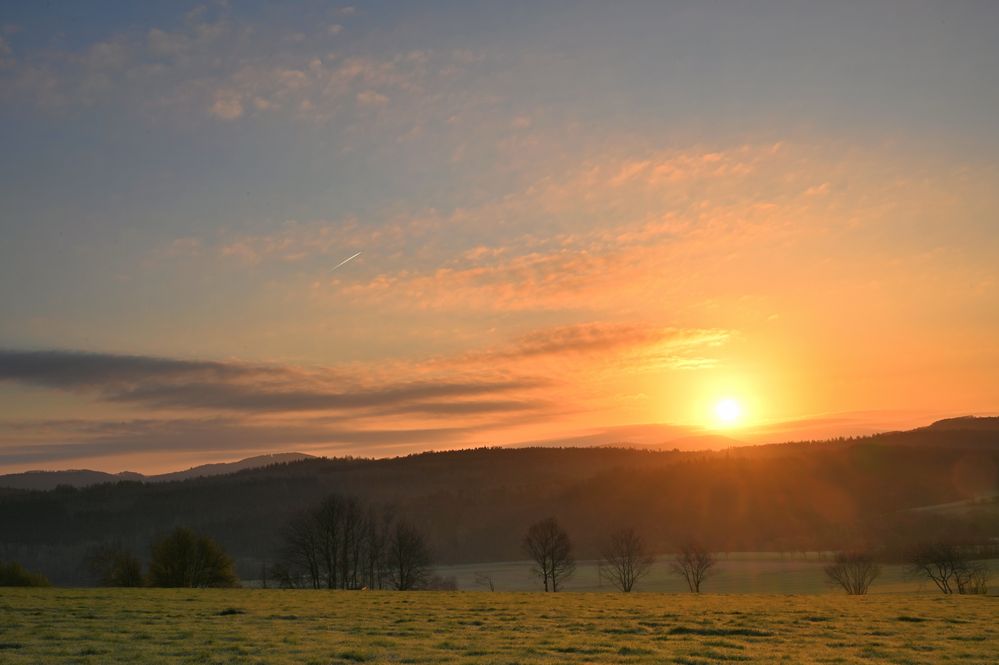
(575, 220)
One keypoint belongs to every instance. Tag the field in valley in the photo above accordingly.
(330, 628)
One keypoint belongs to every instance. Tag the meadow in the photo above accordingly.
(331, 628)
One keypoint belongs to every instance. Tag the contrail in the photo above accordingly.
(349, 258)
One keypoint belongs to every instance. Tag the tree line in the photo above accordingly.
(181, 559)
(343, 544)
(626, 558)
(953, 569)
(338, 544)
(793, 499)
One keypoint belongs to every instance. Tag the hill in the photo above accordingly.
(966, 423)
(474, 505)
(48, 480)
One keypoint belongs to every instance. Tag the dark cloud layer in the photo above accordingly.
(72, 370)
(95, 439)
(257, 399)
(162, 383)
(246, 407)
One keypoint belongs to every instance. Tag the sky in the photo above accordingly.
(574, 221)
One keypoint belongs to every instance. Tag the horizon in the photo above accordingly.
(366, 229)
(664, 446)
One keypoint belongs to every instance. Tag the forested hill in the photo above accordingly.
(47, 480)
(474, 505)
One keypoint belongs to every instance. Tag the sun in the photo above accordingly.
(728, 411)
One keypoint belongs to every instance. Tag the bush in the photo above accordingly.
(187, 559)
(949, 567)
(854, 571)
(113, 566)
(14, 574)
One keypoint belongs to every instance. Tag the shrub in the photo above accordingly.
(187, 559)
(14, 574)
(854, 571)
(113, 566)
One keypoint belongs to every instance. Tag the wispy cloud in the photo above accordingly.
(592, 237)
(604, 233)
(295, 241)
(626, 346)
(213, 65)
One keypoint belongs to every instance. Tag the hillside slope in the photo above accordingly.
(474, 505)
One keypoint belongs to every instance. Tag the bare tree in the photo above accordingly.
(549, 547)
(331, 546)
(408, 558)
(977, 580)
(354, 525)
(936, 562)
(339, 544)
(625, 559)
(854, 571)
(482, 579)
(949, 568)
(327, 523)
(300, 566)
(376, 536)
(693, 563)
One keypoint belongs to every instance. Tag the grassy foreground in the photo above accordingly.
(274, 626)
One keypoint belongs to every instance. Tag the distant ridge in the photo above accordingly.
(653, 436)
(223, 468)
(962, 431)
(47, 480)
(976, 423)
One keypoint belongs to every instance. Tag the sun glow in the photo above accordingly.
(728, 411)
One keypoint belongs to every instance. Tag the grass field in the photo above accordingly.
(329, 628)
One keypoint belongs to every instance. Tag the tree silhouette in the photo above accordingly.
(949, 568)
(854, 571)
(693, 563)
(549, 547)
(408, 558)
(186, 559)
(114, 566)
(14, 574)
(625, 559)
